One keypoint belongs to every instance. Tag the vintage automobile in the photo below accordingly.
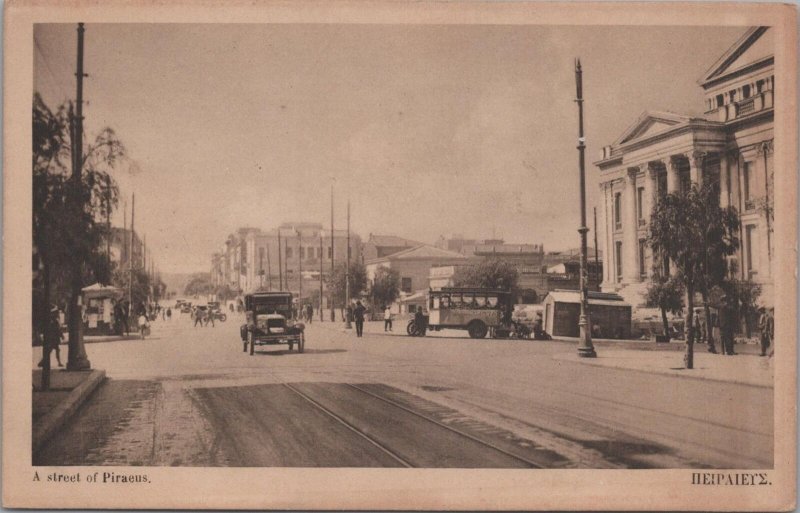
(215, 310)
(268, 322)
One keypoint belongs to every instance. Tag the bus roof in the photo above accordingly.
(474, 290)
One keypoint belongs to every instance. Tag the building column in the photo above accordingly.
(673, 178)
(602, 227)
(765, 259)
(724, 180)
(651, 197)
(696, 167)
(630, 269)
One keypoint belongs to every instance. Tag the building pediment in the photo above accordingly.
(649, 124)
(756, 46)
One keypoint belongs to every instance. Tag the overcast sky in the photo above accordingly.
(428, 130)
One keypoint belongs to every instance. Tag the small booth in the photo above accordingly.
(610, 314)
(98, 309)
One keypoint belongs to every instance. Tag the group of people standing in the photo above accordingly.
(724, 324)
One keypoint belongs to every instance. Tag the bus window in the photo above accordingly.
(491, 301)
(455, 301)
(481, 301)
(445, 301)
(470, 301)
(435, 302)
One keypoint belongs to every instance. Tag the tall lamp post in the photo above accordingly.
(585, 347)
(348, 308)
(77, 358)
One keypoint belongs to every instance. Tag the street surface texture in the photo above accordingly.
(189, 396)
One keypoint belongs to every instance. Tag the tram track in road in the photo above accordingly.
(411, 438)
(527, 461)
(352, 428)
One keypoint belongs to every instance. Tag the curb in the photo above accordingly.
(594, 363)
(56, 418)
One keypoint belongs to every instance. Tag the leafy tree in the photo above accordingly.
(67, 215)
(665, 293)
(491, 273)
(692, 231)
(358, 281)
(224, 292)
(721, 228)
(199, 284)
(385, 287)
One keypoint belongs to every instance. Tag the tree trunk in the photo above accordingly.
(688, 358)
(666, 324)
(44, 319)
(76, 359)
(709, 329)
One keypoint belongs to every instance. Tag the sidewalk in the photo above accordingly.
(740, 369)
(52, 408)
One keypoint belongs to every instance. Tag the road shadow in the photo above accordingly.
(286, 352)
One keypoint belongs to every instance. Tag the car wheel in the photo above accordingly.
(301, 346)
(252, 342)
(411, 329)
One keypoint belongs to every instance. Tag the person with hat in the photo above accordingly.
(766, 325)
(52, 337)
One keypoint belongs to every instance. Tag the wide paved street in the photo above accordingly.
(190, 396)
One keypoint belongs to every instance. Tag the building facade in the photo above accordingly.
(731, 147)
(414, 266)
(379, 246)
(253, 259)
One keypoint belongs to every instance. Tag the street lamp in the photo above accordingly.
(585, 347)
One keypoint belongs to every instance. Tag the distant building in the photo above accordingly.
(123, 248)
(250, 258)
(414, 265)
(662, 152)
(379, 246)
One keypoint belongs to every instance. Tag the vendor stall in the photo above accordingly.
(98, 309)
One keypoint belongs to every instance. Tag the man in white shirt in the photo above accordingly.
(387, 319)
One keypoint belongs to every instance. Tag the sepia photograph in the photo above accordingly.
(305, 247)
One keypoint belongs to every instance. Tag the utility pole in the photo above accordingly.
(108, 225)
(261, 268)
(321, 317)
(585, 347)
(347, 325)
(77, 359)
(280, 265)
(333, 254)
(269, 271)
(130, 258)
(299, 265)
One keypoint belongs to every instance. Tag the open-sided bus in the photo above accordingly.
(476, 310)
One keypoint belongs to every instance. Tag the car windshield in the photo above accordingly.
(278, 305)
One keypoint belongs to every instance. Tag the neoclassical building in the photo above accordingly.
(663, 152)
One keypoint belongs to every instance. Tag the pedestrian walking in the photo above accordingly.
(210, 317)
(716, 333)
(766, 327)
(358, 314)
(419, 322)
(52, 337)
(387, 319)
(309, 313)
(198, 317)
(143, 325)
(727, 324)
(169, 313)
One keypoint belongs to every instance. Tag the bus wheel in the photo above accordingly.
(411, 328)
(477, 329)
